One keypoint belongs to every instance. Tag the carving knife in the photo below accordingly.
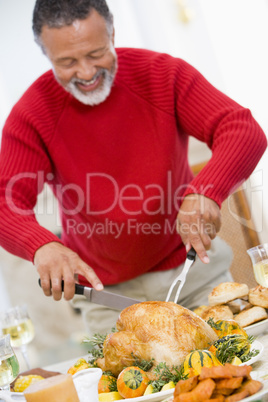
(102, 297)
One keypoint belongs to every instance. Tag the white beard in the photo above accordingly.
(99, 94)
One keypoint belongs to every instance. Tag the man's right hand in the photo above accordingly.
(54, 263)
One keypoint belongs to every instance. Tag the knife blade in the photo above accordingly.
(102, 297)
(190, 259)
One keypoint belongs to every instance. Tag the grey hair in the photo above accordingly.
(59, 13)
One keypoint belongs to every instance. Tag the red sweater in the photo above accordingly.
(120, 169)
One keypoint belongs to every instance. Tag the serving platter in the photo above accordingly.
(157, 397)
(257, 346)
(258, 328)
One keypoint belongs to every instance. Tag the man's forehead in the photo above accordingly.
(81, 37)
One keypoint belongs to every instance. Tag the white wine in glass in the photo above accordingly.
(9, 365)
(17, 323)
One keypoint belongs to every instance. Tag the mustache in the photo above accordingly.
(100, 72)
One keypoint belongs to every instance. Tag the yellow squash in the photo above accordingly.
(226, 327)
(81, 364)
(197, 359)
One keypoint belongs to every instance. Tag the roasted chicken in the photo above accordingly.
(162, 331)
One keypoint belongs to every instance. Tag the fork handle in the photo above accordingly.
(191, 255)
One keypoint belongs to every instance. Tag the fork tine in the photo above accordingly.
(178, 292)
(174, 283)
(190, 259)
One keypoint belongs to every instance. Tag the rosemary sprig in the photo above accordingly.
(96, 346)
(143, 364)
(213, 324)
(112, 381)
(165, 374)
(252, 353)
(230, 346)
(251, 338)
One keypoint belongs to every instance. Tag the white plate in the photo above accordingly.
(257, 346)
(258, 328)
(158, 396)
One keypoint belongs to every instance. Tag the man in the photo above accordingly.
(108, 131)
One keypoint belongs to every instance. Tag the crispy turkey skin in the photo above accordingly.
(162, 331)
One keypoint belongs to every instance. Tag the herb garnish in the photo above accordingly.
(165, 374)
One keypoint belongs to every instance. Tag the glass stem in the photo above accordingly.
(24, 352)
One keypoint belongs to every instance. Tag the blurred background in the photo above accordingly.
(226, 40)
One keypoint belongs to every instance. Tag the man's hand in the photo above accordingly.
(199, 219)
(54, 263)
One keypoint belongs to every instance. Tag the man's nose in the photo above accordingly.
(86, 70)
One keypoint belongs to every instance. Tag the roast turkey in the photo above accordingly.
(162, 331)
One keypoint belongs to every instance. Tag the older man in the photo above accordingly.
(108, 130)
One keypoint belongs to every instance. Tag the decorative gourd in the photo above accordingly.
(132, 382)
(79, 365)
(197, 359)
(226, 327)
(229, 346)
(107, 383)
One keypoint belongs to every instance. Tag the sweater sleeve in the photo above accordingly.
(235, 138)
(24, 165)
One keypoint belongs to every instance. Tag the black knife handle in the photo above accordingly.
(191, 254)
(79, 289)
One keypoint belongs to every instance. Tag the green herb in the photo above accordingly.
(107, 372)
(112, 381)
(252, 353)
(213, 324)
(145, 365)
(96, 346)
(234, 345)
(165, 374)
(251, 338)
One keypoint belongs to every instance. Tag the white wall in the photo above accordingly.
(21, 61)
(238, 30)
(226, 40)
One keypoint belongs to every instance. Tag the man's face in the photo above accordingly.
(83, 58)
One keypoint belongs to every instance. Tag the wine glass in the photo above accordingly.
(9, 365)
(16, 322)
(259, 259)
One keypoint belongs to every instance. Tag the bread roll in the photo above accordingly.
(250, 316)
(199, 310)
(221, 312)
(226, 292)
(258, 296)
